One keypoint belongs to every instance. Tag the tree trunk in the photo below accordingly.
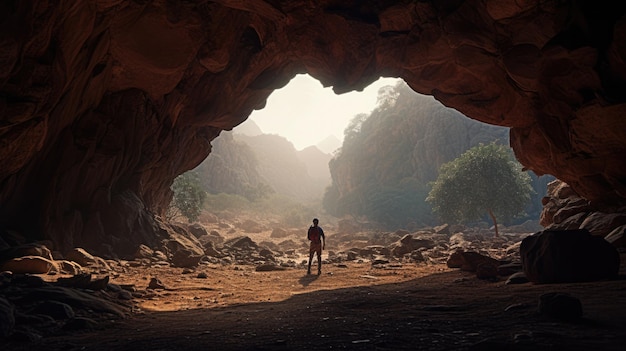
(495, 223)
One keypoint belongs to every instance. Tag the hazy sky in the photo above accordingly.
(306, 113)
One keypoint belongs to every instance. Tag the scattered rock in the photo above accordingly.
(269, 267)
(517, 278)
(155, 284)
(561, 306)
(565, 256)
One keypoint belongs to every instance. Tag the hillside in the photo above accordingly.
(389, 157)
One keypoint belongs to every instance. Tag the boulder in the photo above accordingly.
(469, 261)
(562, 256)
(29, 265)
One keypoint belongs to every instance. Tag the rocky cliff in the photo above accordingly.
(104, 103)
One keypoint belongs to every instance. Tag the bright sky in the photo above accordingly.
(306, 113)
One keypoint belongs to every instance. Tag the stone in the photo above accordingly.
(55, 309)
(469, 261)
(516, 278)
(82, 257)
(143, 251)
(185, 258)
(29, 264)
(279, 233)
(562, 256)
(617, 237)
(7, 317)
(197, 230)
(155, 284)
(561, 306)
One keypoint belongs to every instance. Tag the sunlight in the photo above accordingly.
(306, 113)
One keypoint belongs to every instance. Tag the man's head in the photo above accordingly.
(315, 221)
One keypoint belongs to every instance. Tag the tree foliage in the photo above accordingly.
(188, 197)
(485, 180)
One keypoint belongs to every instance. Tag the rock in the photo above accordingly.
(143, 251)
(242, 242)
(81, 281)
(279, 233)
(29, 264)
(617, 237)
(7, 317)
(185, 258)
(82, 257)
(55, 309)
(487, 271)
(80, 323)
(442, 229)
(197, 230)
(250, 226)
(601, 224)
(517, 278)
(469, 261)
(268, 268)
(33, 249)
(155, 284)
(69, 267)
(568, 256)
(509, 268)
(408, 244)
(561, 306)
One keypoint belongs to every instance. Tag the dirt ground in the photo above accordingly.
(350, 306)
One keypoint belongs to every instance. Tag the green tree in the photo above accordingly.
(188, 197)
(483, 180)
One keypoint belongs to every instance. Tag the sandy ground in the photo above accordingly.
(352, 306)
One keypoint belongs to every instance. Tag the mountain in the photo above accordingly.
(282, 168)
(231, 167)
(388, 158)
(316, 163)
(329, 144)
(248, 127)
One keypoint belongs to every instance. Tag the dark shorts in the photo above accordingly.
(316, 247)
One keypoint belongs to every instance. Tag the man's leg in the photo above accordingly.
(319, 263)
(308, 271)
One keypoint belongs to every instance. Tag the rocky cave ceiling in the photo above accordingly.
(104, 102)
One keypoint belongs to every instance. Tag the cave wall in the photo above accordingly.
(104, 102)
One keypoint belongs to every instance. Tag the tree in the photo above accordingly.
(188, 197)
(483, 180)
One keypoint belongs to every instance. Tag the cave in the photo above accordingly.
(104, 103)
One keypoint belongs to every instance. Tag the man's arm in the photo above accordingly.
(323, 239)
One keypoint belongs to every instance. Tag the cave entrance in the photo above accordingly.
(307, 114)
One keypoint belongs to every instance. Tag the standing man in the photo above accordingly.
(318, 243)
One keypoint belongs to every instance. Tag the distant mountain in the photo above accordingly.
(329, 144)
(282, 167)
(248, 128)
(231, 167)
(316, 163)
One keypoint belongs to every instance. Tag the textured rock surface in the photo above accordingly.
(103, 103)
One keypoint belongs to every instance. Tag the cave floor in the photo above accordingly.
(352, 307)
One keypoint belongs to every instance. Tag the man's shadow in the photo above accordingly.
(308, 279)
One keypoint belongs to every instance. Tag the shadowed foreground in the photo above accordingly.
(446, 311)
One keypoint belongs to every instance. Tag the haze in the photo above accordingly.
(306, 113)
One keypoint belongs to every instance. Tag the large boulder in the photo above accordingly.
(563, 256)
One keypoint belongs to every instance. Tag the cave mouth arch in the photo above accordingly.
(94, 133)
(305, 112)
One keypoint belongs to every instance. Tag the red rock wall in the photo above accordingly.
(104, 102)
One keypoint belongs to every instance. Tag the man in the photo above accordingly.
(318, 243)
